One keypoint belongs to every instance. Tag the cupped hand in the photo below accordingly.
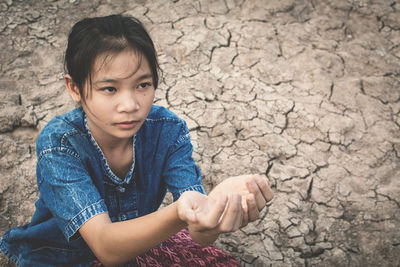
(210, 215)
(253, 189)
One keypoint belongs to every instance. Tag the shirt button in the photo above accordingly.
(121, 189)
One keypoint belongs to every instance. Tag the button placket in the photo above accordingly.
(120, 189)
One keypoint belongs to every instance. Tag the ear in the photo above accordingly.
(72, 88)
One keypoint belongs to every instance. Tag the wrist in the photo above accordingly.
(205, 238)
(179, 220)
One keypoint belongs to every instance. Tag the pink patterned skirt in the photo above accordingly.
(181, 250)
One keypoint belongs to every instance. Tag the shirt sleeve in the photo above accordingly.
(67, 190)
(181, 172)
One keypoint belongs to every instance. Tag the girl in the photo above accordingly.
(104, 167)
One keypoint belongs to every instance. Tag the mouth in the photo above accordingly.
(128, 124)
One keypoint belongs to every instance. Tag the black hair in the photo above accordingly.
(91, 37)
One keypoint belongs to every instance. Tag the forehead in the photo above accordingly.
(119, 65)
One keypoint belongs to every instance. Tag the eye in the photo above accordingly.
(109, 89)
(144, 85)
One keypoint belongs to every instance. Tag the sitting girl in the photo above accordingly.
(103, 168)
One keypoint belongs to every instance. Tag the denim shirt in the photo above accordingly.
(76, 183)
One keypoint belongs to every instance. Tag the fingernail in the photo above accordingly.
(252, 200)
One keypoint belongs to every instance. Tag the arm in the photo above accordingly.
(115, 243)
(77, 206)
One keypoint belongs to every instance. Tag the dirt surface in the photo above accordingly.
(306, 92)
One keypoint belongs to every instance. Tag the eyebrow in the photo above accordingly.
(111, 80)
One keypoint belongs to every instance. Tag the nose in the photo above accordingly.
(128, 102)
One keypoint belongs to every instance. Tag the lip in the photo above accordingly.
(128, 124)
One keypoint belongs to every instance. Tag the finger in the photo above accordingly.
(232, 214)
(245, 210)
(244, 204)
(217, 209)
(238, 215)
(239, 220)
(256, 191)
(253, 212)
(264, 187)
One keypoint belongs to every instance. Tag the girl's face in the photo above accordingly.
(121, 96)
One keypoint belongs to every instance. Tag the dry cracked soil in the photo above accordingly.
(306, 92)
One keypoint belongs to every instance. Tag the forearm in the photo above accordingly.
(115, 243)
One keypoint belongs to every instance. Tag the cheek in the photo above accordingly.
(148, 98)
(101, 109)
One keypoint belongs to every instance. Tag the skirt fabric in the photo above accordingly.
(181, 250)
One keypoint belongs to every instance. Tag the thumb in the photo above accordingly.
(191, 216)
(186, 210)
(217, 210)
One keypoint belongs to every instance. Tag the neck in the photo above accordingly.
(109, 143)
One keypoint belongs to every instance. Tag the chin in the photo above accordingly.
(127, 134)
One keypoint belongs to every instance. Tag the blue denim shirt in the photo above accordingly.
(76, 183)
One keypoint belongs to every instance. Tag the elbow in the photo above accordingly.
(104, 239)
(105, 254)
(109, 257)
(106, 259)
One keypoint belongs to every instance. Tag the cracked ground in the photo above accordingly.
(306, 92)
